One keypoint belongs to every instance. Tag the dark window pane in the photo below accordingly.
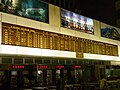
(118, 14)
(38, 60)
(52, 2)
(6, 60)
(46, 61)
(68, 62)
(74, 62)
(54, 61)
(18, 60)
(80, 62)
(62, 3)
(61, 61)
(86, 62)
(90, 62)
(96, 62)
(58, 2)
(28, 60)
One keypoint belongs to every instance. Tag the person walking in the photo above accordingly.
(103, 83)
(60, 83)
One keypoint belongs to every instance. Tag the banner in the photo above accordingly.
(76, 22)
(109, 31)
(33, 9)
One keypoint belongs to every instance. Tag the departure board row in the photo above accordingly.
(28, 37)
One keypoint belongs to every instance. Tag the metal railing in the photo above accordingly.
(90, 86)
(73, 87)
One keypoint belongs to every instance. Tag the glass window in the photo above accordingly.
(61, 61)
(54, 61)
(74, 62)
(38, 60)
(46, 61)
(18, 60)
(6, 60)
(118, 13)
(28, 60)
(68, 62)
(80, 62)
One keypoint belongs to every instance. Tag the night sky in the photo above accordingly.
(102, 10)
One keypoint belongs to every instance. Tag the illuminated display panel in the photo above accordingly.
(60, 66)
(20, 36)
(109, 31)
(76, 22)
(29, 37)
(42, 66)
(18, 67)
(76, 66)
(32, 9)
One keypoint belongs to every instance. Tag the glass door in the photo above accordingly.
(99, 70)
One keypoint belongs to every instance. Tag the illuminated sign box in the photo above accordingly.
(66, 67)
(109, 31)
(59, 67)
(76, 66)
(18, 67)
(29, 66)
(77, 22)
(42, 66)
(32, 9)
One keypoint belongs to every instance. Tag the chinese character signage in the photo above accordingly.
(110, 31)
(33, 9)
(76, 22)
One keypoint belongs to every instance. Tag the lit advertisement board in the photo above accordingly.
(76, 22)
(109, 31)
(32, 9)
(35, 9)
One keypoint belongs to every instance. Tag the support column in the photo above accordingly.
(97, 31)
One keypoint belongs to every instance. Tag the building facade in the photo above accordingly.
(49, 41)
